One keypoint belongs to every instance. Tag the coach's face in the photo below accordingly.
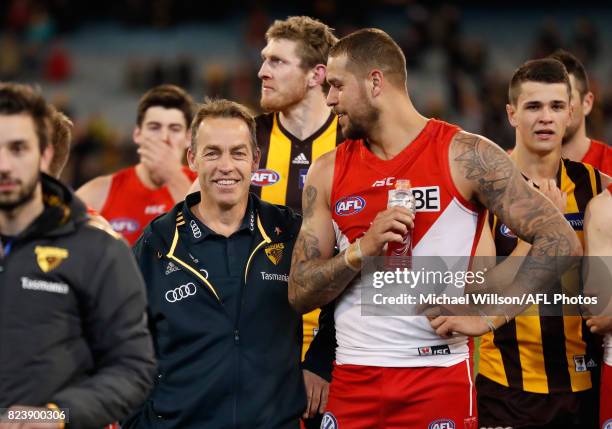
(224, 161)
(284, 83)
(349, 99)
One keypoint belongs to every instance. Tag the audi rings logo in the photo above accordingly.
(181, 292)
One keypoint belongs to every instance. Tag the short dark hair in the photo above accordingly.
(371, 48)
(17, 98)
(168, 97)
(221, 108)
(573, 67)
(61, 137)
(545, 70)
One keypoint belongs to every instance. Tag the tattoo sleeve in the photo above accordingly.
(531, 216)
(314, 279)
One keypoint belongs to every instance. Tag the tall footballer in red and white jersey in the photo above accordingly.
(445, 225)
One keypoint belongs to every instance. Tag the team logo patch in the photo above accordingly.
(350, 205)
(329, 421)
(607, 424)
(507, 232)
(580, 363)
(274, 252)
(181, 292)
(576, 220)
(124, 224)
(49, 258)
(442, 424)
(264, 177)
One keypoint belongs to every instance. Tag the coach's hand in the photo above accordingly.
(317, 391)
(389, 226)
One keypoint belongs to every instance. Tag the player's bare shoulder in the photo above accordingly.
(95, 192)
(479, 166)
(601, 205)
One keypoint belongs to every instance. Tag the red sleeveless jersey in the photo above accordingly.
(445, 225)
(130, 205)
(600, 157)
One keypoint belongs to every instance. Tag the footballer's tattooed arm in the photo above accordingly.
(481, 167)
(317, 277)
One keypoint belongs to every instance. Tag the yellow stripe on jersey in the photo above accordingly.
(326, 142)
(280, 146)
(492, 367)
(531, 350)
(310, 324)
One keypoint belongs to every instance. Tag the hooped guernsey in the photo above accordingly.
(445, 225)
(224, 360)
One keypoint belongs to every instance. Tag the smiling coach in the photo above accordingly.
(216, 268)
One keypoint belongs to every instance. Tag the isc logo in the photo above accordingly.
(349, 205)
(442, 424)
(264, 177)
(124, 225)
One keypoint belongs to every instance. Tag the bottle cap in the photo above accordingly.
(403, 184)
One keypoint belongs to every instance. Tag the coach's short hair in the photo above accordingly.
(61, 137)
(168, 97)
(545, 70)
(221, 108)
(573, 67)
(371, 48)
(17, 99)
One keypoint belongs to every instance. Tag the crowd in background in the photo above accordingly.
(433, 36)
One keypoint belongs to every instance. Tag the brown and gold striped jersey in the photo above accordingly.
(545, 354)
(285, 160)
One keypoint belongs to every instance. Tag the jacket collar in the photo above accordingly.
(62, 211)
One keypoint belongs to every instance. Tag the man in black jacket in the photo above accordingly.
(73, 335)
(216, 268)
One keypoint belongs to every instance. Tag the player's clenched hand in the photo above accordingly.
(317, 391)
(159, 158)
(554, 194)
(388, 226)
(445, 326)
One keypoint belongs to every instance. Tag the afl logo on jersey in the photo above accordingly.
(349, 205)
(329, 421)
(607, 424)
(264, 177)
(505, 231)
(124, 224)
(442, 424)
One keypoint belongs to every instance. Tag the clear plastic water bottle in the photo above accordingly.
(399, 255)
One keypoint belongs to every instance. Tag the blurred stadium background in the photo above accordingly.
(94, 59)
